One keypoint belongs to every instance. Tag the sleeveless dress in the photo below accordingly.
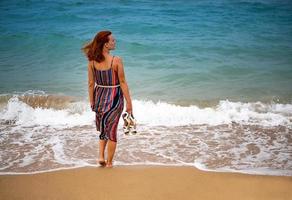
(108, 103)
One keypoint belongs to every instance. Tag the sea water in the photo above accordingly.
(211, 83)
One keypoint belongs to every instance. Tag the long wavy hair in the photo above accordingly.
(93, 49)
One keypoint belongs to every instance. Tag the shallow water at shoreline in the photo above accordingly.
(249, 138)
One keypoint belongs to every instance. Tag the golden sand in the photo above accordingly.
(143, 183)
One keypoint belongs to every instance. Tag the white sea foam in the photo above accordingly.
(153, 114)
(25, 115)
(48, 139)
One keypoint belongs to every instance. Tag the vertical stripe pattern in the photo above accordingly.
(108, 103)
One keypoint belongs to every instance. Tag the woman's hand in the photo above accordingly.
(92, 106)
(129, 108)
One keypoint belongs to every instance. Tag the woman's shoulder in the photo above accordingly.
(117, 58)
(118, 61)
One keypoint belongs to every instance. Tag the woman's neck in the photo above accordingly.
(105, 52)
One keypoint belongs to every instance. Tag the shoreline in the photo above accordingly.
(244, 172)
(144, 182)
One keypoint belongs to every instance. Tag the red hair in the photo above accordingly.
(93, 49)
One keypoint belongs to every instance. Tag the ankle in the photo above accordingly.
(109, 162)
(109, 165)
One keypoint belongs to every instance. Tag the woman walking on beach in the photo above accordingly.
(107, 97)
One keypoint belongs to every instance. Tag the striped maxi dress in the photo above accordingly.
(108, 103)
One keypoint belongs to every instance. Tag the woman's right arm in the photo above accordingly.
(124, 85)
(90, 84)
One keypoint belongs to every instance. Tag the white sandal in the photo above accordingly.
(129, 124)
(133, 123)
(126, 127)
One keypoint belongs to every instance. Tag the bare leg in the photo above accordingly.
(111, 152)
(102, 145)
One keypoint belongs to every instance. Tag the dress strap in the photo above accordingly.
(112, 61)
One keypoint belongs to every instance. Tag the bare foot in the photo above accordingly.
(109, 165)
(101, 162)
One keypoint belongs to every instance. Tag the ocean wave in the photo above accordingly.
(57, 110)
(43, 132)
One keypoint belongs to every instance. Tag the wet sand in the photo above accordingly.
(143, 182)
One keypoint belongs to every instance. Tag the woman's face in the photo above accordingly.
(111, 44)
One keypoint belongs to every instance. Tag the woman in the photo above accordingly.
(107, 97)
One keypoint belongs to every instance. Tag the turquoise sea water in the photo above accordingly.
(219, 73)
(175, 51)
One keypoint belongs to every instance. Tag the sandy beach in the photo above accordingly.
(143, 182)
